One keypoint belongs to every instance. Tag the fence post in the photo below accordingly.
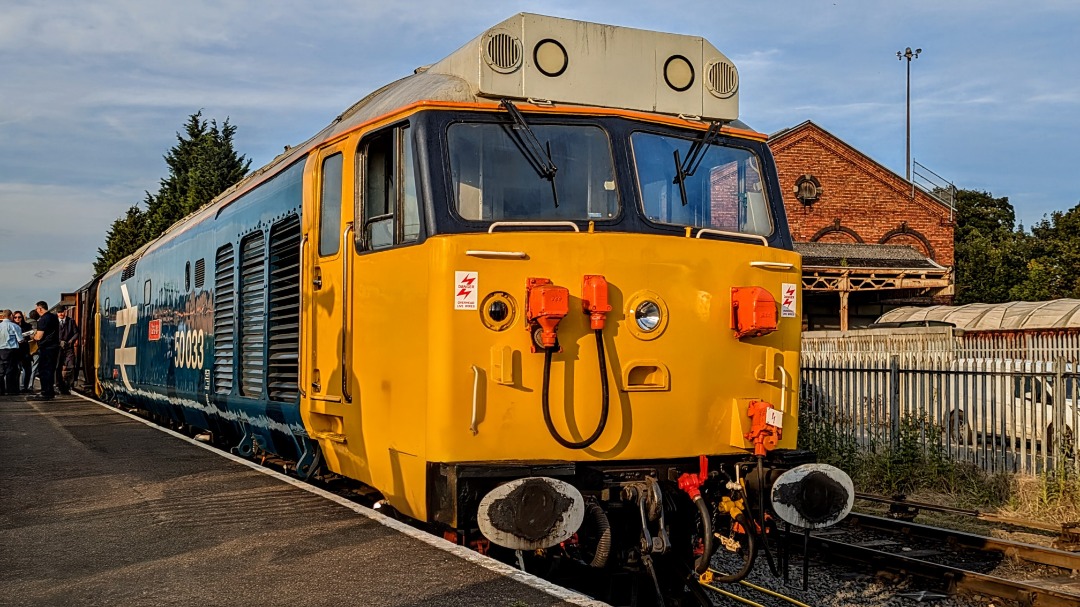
(1057, 398)
(894, 400)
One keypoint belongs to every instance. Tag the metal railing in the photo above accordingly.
(991, 407)
(934, 185)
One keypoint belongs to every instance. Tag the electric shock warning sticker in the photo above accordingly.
(787, 300)
(466, 284)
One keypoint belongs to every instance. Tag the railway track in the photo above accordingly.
(953, 561)
(1067, 534)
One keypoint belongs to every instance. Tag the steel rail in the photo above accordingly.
(1028, 552)
(957, 579)
(990, 518)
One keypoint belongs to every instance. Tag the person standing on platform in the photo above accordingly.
(69, 343)
(9, 354)
(47, 337)
(26, 359)
(32, 316)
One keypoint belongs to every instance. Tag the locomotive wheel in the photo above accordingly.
(735, 550)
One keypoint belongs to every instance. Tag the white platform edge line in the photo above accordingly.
(472, 556)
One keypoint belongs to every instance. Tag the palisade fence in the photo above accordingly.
(1004, 400)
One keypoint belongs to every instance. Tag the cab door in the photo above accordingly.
(327, 252)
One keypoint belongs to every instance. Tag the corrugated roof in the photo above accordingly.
(854, 255)
(1016, 315)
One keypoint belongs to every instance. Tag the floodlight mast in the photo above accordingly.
(909, 55)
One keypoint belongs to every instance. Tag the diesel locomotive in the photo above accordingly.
(539, 295)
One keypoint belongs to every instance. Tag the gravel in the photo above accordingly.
(837, 586)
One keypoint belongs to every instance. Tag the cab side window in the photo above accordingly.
(330, 206)
(386, 198)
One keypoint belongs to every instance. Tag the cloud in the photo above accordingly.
(49, 223)
(94, 92)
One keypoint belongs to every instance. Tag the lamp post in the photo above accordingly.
(909, 55)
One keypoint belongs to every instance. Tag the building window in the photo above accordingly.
(807, 189)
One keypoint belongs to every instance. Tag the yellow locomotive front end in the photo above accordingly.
(553, 300)
(678, 379)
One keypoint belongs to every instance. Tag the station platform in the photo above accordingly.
(98, 507)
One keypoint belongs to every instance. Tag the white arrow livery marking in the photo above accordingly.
(126, 318)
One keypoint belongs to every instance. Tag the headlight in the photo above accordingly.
(648, 316)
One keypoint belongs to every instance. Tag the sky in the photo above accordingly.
(92, 94)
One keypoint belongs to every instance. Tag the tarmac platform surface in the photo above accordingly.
(97, 507)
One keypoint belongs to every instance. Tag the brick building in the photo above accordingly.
(870, 239)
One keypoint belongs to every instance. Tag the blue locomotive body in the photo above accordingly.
(235, 267)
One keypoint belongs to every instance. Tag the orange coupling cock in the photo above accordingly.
(765, 430)
(594, 300)
(545, 305)
(691, 483)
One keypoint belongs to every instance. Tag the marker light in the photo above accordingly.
(497, 311)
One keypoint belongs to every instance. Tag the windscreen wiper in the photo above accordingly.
(537, 154)
(694, 156)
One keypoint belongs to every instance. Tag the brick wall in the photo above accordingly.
(860, 200)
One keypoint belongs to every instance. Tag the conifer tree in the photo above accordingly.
(202, 164)
(125, 236)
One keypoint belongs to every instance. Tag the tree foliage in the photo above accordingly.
(202, 164)
(1053, 252)
(124, 237)
(998, 261)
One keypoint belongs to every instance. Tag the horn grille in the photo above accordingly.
(503, 52)
(722, 79)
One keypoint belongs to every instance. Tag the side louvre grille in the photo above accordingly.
(224, 319)
(252, 315)
(129, 269)
(284, 310)
(200, 273)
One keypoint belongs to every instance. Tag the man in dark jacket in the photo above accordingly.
(69, 341)
(47, 337)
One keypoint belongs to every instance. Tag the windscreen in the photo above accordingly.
(496, 179)
(725, 191)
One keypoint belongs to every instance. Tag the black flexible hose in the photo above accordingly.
(604, 397)
(761, 515)
(603, 527)
(701, 565)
